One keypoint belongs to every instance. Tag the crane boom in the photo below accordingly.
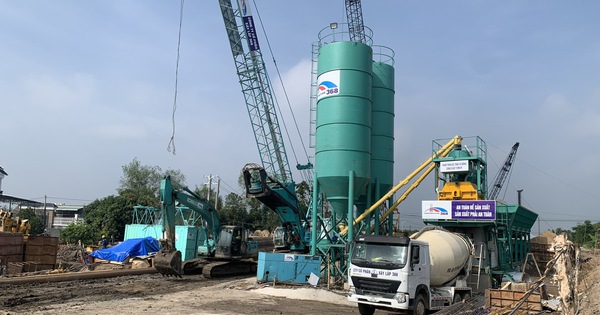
(271, 183)
(501, 176)
(256, 88)
(356, 26)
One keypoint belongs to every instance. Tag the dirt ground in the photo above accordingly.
(155, 294)
(193, 294)
(589, 287)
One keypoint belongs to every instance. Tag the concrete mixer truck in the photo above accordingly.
(425, 272)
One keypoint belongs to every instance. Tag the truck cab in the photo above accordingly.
(399, 273)
(379, 272)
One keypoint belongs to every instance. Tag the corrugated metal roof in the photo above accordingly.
(68, 207)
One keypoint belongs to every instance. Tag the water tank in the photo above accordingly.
(343, 129)
(449, 253)
(382, 129)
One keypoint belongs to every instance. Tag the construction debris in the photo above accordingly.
(563, 269)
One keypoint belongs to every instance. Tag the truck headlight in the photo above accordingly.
(400, 298)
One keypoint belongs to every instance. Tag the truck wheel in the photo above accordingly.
(366, 309)
(466, 296)
(456, 298)
(419, 307)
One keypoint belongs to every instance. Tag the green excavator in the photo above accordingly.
(231, 250)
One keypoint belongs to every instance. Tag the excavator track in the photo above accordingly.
(218, 269)
(194, 266)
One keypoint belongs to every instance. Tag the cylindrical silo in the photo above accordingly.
(382, 129)
(343, 132)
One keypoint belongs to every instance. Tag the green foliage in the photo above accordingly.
(140, 184)
(203, 192)
(233, 210)
(109, 216)
(36, 222)
(560, 231)
(76, 232)
(304, 196)
(586, 234)
(260, 217)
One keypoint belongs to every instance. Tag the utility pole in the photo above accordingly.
(217, 195)
(45, 215)
(210, 178)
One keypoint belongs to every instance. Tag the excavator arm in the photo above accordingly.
(168, 260)
(282, 199)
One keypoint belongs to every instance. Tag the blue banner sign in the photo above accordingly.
(474, 209)
(251, 32)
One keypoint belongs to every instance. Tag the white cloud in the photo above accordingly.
(588, 124)
(58, 93)
(119, 131)
(556, 105)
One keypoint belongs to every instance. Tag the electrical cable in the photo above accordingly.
(171, 145)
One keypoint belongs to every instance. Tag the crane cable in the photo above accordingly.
(171, 145)
(284, 92)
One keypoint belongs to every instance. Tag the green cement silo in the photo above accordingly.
(343, 132)
(382, 129)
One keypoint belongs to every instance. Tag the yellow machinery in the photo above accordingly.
(13, 225)
(443, 151)
(459, 191)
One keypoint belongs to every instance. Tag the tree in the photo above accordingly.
(140, 184)
(560, 231)
(583, 234)
(79, 232)
(109, 216)
(203, 192)
(233, 210)
(36, 222)
(304, 195)
(260, 217)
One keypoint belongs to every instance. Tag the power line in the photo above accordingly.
(61, 198)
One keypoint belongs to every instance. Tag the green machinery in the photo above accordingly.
(353, 105)
(500, 232)
(230, 248)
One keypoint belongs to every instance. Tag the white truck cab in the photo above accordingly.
(394, 273)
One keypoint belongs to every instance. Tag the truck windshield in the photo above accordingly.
(374, 252)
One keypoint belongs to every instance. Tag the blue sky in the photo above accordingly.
(87, 86)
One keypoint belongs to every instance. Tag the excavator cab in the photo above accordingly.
(233, 242)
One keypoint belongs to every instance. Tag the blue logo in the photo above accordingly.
(436, 210)
(327, 88)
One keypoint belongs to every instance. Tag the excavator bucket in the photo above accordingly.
(168, 262)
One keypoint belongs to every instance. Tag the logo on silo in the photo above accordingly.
(329, 84)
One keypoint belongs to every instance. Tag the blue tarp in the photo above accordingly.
(129, 248)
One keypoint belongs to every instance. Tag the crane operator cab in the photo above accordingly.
(255, 180)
